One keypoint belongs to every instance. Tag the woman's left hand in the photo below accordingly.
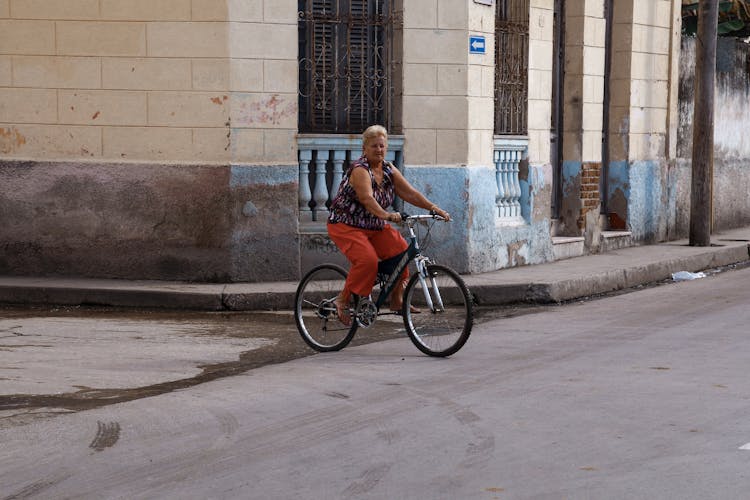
(442, 213)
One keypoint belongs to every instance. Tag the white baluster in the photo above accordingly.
(305, 214)
(339, 156)
(515, 191)
(505, 201)
(517, 167)
(498, 181)
(320, 194)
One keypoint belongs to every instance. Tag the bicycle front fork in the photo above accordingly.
(433, 300)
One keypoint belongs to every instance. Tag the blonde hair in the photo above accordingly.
(374, 131)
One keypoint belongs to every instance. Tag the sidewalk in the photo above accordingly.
(543, 283)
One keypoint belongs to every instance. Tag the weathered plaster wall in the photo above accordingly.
(639, 190)
(731, 179)
(475, 241)
(530, 242)
(449, 243)
(536, 191)
(145, 221)
(149, 139)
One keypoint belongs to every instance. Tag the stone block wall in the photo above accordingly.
(448, 94)
(149, 139)
(165, 80)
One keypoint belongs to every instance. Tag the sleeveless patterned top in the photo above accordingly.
(345, 206)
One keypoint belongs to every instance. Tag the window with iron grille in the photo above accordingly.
(347, 65)
(511, 67)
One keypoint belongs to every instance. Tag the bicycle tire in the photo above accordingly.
(440, 332)
(315, 313)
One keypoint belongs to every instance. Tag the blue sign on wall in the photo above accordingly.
(476, 45)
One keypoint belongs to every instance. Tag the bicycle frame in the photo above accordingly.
(412, 253)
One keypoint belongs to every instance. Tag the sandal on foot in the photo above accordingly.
(342, 311)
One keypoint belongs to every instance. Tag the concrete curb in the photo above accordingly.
(573, 280)
(609, 281)
(117, 297)
(641, 275)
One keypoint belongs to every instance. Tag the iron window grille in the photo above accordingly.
(511, 67)
(347, 65)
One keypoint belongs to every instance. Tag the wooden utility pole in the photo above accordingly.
(703, 124)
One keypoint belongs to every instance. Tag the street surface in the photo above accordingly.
(638, 395)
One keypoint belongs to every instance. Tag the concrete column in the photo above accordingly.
(585, 28)
(642, 95)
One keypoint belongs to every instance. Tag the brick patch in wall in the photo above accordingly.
(590, 194)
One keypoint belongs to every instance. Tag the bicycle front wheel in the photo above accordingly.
(443, 324)
(315, 311)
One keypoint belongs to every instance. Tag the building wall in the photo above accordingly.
(149, 98)
(642, 119)
(179, 118)
(585, 42)
(448, 93)
(731, 162)
(157, 139)
(449, 126)
(177, 80)
(530, 243)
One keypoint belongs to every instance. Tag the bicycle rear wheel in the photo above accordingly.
(315, 311)
(443, 328)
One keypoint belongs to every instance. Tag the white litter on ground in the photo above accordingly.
(687, 276)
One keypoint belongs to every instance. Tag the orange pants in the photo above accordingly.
(363, 248)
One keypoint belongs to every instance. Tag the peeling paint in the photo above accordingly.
(249, 209)
(252, 175)
(11, 140)
(518, 252)
(571, 178)
(149, 221)
(571, 222)
(268, 110)
(532, 184)
(731, 94)
(638, 199)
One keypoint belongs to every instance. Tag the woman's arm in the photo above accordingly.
(409, 194)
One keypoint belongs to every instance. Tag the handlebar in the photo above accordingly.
(407, 219)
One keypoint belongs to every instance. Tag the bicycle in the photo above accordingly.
(440, 329)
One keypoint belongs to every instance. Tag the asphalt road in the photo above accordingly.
(639, 395)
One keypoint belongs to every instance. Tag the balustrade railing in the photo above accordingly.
(508, 153)
(323, 158)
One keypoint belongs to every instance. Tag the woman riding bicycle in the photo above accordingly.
(357, 214)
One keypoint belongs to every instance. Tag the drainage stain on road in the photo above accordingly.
(124, 344)
(116, 343)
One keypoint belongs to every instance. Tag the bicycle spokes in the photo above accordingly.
(315, 309)
(445, 323)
